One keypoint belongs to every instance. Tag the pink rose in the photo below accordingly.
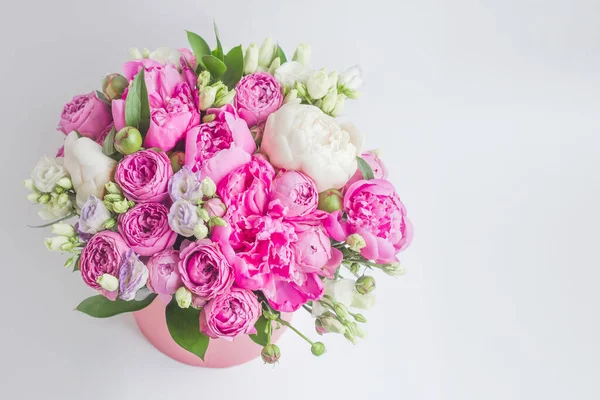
(146, 228)
(85, 114)
(375, 212)
(103, 254)
(230, 314)
(257, 96)
(293, 194)
(144, 176)
(377, 166)
(205, 269)
(172, 107)
(164, 275)
(218, 147)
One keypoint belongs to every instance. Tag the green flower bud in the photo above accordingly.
(330, 200)
(223, 95)
(327, 322)
(110, 223)
(203, 214)
(329, 101)
(28, 183)
(34, 197)
(355, 268)
(128, 140)
(318, 349)
(355, 330)
(217, 221)
(302, 54)
(301, 89)
(203, 79)
(208, 118)
(266, 53)
(292, 96)
(251, 59)
(112, 188)
(114, 85)
(43, 199)
(108, 282)
(271, 316)
(348, 335)
(62, 199)
(341, 311)
(393, 269)
(108, 205)
(359, 318)
(59, 190)
(207, 97)
(62, 229)
(274, 65)
(113, 198)
(177, 160)
(183, 297)
(131, 204)
(365, 284)
(200, 231)
(270, 354)
(55, 243)
(356, 242)
(208, 187)
(120, 207)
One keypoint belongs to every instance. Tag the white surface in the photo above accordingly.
(488, 115)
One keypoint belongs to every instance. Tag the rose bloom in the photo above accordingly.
(218, 147)
(293, 194)
(230, 314)
(103, 254)
(257, 96)
(377, 166)
(205, 269)
(164, 275)
(87, 115)
(146, 229)
(144, 176)
(173, 109)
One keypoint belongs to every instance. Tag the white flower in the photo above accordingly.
(165, 55)
(183, 218)
(93, 216)
(47, 173)
(339, 105)
(62, 229)
(251, 59)
(291, 72)
(108, 282)
(90, 169)
(302, 54)
(302, 138)
(57, 243)
(183, 297)
(266, 54)
(318, 84)
(363, 301)
(59, 206)
(329, 101)
(350, 81)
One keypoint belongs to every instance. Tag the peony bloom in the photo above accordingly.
(146, 229)
(313, 251)
(87, 115)
(93, 216)
(89, 168)
(185, 185)
(218, 147)
(377, 166)
(144, 176)
(133, 275)
(172, 105)
(47, 173)
(257, 96)
(103, 254)
(164, 275)
(301, 137)
(230, 314)
(293, 194)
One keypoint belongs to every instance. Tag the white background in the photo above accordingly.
(488, 114)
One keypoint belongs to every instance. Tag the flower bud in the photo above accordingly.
(200, 231)
(203, 214)
(359, 318)
(271, 316)
(214, 207)
(329, 101)
(356, 242)
(274, 65)
(183, 297)
(28, 183)
(317, 348)
(34, 197)
(208, 187)
(207, 97)
(114, 85)
(333, 79)
(330, 200)
(339, 105)
(301, 89)
(266, 54)
(393, 269)
(291, 97)
(110, 223)
(251, 59)
(130, 203)
(128, 140)
(67, 246)
(203, 79)
(177, 160)
(318, 84)
(55, 243)
(302, 54)
(208, 118)
(58, 189)
(108, 282)
(112, 188)
(329, 323)
(223, 95)
(270, 354)
(348, 335)
(350, 80)
(62, 229)
(120, 207)
(365, 284)
(217, 221)
(65, 183)
(113, 198)
(355, 268)
(43, 199)
(341, 311)
(62, 199)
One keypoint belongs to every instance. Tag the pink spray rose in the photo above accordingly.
(215, 207)
(103, 254)
(164, 275)
(205, 269)
(293, 194)
(377, 166)
(218, 147)
(146, 229)
(144, 176)
(85, 114)
(172, 106)
(230, 314)
(257, 96)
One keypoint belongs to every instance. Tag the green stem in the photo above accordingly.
(285, 323)
(52, 223)
(307, 308)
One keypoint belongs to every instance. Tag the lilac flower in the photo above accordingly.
(183, 218)
(133, 275)
(185, 185)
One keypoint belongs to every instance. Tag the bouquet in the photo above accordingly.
(226, 181)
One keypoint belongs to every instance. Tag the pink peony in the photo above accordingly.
(293, 194)
(313, 251)
(144, 176)
(85, 114)
(146, 229)
(218, 147)
(377, 166)
(257, 96)
(172, 106)
(230, 314)
(103, 254)
(205, 269)
(164, 275)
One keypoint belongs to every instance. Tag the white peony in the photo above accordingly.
(291, 72)
(90, 169)
(47, 173)
(301, 137)
(161, 55)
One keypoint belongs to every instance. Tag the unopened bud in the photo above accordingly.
(200, 231)
(114, 85)
(330, 200)
(203, 214)
(356, 242)
(108, 282)
(65, 183)
(177, 160)
(318, 349)
(113, 198)
(207, 97)
(208, 187)
(217, 221)
(128, 140)
(341, 311)
(302, 54)
(43, 199)
(112, 188)
(34, 197)
(120, 207)
(28, 183)
(203, 79)
(270, 354)
(110, 223)
(63, 229)
(365, 284)
(55, 243)
(251, 59)
(359, 318)
(393, 269)
(208, 118)
(183, 297)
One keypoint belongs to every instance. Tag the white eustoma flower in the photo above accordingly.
(47, 173)
(318, 84)
(291, 72)
(90, 169)
(351, 78)
(302, 138)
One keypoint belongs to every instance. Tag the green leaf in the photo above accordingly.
(76, 266)
(184, 327)
(262, 334)
(281, 55)
(215, 66)
(234, 60)
(102, 97)
(137, 108)
(365, 168)
(219, 50)
(199, 47)
(101, 307)
(108, 147)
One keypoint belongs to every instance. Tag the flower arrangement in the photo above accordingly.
(226, 181)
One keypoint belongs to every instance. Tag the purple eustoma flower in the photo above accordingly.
(133, 276)
(185, 185)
